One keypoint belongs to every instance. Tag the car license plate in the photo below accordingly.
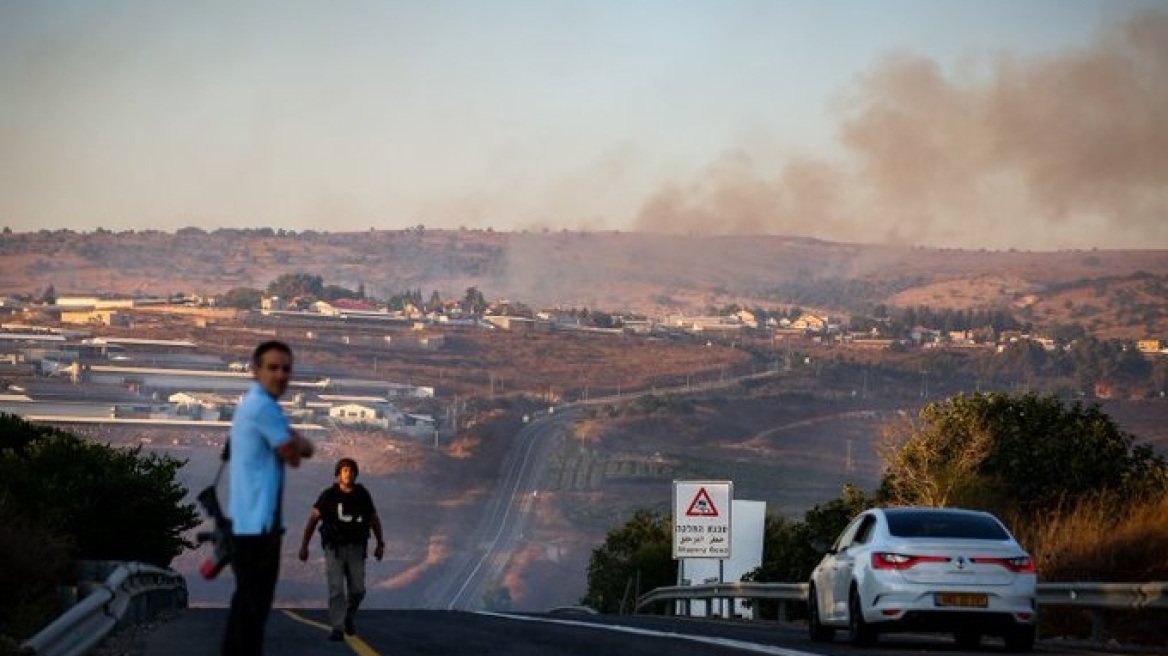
(962, 599)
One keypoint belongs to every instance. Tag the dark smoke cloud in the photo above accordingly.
(1053, 151)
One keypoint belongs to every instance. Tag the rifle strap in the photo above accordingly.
(223, 458)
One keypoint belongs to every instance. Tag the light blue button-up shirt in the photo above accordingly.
(258, 428)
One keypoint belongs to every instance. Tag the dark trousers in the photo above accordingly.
(256, 564)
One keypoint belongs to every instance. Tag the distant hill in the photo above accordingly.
(1118, 293)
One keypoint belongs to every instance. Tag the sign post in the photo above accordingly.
(701, 519)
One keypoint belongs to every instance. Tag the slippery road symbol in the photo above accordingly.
(702, 505)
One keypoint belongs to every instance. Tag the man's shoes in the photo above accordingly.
(350, 628)
(336, 635)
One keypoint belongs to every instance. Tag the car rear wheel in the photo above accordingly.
(863, 635)
(815, 628)
(1021, 639)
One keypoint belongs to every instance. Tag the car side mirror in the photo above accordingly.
(819, 546)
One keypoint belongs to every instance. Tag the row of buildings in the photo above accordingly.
(62, 372)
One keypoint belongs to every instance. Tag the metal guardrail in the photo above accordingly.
(1110, 596)
(131, 593)
(1095, 597)
(779, 591)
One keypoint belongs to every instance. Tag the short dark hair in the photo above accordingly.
(347, 462)
(257, 356)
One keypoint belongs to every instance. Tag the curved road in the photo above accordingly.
(490, 546)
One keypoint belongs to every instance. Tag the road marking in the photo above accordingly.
(355, 643)
(718, 642)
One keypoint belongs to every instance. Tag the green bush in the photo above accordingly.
(63, 499)
(36, 561)
(635, 558)
(115, 504)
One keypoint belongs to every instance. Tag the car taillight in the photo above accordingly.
(1019, 564)
(886, 560)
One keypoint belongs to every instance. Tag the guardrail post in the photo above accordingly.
(783, 615)
(1098, 625)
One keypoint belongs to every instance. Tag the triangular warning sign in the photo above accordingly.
(702, 505)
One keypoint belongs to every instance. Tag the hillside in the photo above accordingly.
(1116, 293)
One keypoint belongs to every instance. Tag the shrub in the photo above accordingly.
(35, 561)
(1106, 538)
(115, 504)
(1109, 538)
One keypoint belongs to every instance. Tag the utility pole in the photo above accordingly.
(454, 415)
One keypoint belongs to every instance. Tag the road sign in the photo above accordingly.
(701, 519)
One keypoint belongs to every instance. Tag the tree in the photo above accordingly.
(475, 300)
(1160, 376)
(635, 557)
(36, 561)
(334, 292)
(243, 298)
(1007, 453)
(930, 467)
(114, 504)
(291, 285)
(49, 297)
(602, 319)
(792, 549)
(497, 598)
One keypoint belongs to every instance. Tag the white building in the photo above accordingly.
(359, 414)
(202, 406)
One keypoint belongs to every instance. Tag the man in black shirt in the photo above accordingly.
(346, 514)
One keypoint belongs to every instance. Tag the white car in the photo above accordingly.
(929, 570)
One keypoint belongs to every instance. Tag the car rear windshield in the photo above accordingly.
(945, 525)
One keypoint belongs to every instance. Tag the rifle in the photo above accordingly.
(220, 536)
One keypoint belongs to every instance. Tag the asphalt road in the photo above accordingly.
(500, 530)
(301, 632)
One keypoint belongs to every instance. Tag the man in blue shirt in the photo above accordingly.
(262, 442)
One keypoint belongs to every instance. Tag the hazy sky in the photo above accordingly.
(997, 123)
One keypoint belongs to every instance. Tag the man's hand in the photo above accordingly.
(379, 551)
(303, 554)
(295, 448)
(307, 448)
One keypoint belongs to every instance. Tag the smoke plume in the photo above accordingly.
(1063, 150)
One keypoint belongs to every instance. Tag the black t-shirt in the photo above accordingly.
(345, 516)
